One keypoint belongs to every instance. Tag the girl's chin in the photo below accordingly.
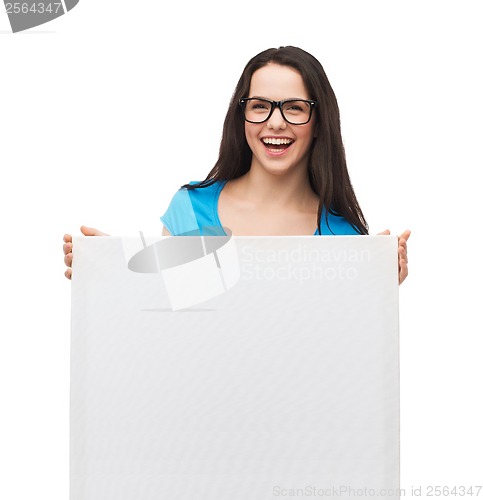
(276, 168)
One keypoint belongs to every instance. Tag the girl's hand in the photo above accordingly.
(68, 256)
(402, 253)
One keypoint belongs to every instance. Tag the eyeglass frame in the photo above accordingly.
(276, 104)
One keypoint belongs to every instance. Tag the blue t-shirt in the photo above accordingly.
(195, 211)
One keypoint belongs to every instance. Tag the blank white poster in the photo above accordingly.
(234, 368)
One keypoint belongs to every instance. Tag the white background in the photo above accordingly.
(90, 133)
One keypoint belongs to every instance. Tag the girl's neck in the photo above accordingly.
(277, 192)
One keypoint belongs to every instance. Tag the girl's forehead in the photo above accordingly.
(277, 82)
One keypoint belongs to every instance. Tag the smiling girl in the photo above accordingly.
(281, 168)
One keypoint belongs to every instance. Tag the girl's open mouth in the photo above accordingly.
(277, 145)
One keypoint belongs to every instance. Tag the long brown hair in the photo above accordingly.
(328, 175)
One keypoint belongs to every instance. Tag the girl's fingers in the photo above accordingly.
(403, 271)
(403, 253)
(91, 231)
(67, 248)
(68, 260)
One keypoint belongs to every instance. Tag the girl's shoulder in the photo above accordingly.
(337, 225)
(192, 210)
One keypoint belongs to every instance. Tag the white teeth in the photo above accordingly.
(277, 141)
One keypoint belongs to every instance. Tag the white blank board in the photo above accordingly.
(284, 383)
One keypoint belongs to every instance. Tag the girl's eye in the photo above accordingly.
(259, 105)
(296, 108)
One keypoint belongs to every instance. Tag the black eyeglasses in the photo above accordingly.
(294, 111)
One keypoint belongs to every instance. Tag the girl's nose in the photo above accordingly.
(276, 121)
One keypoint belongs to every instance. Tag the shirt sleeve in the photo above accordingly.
(350, 230)
(180, 217)
(337, 225)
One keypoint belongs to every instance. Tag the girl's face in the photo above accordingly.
(279, 157)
